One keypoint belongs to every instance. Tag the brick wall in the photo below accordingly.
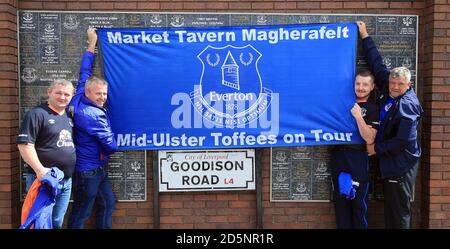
(238, 209)
(436, 89)
(9, 107)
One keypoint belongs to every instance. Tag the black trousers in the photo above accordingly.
(398, 193)
(352, 214)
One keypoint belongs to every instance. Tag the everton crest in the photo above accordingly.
(71, 22)
(230, 91)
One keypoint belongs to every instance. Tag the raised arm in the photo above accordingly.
(92, 39)
(373, 57)
(87, 60)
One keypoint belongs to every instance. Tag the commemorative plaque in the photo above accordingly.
(300, 173)
(127, 172)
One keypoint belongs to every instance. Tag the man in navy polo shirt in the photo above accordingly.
(45, 141)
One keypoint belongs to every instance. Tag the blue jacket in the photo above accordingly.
(397, 146)
(93, 136)
(40, 213)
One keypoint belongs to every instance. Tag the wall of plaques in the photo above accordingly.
(51, 44)
(300, 173)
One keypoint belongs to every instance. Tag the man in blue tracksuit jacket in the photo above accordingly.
(396, 145)
(94, 142)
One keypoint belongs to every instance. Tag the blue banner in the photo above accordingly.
(222, 87)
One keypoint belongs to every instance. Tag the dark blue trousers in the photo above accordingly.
(352, 214)
(92, 187)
